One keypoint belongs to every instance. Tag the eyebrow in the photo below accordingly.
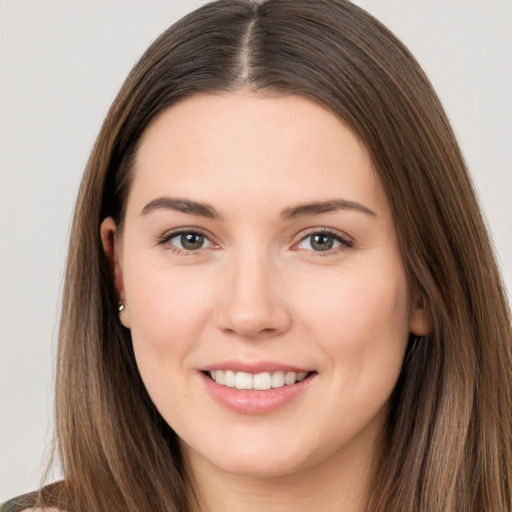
(181, 205)
(317, 208)
(302, 210)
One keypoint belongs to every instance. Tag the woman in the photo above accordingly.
(280, 292)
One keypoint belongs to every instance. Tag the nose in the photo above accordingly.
(252, 302)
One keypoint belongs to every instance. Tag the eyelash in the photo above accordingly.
(344, 241)
(167, 237)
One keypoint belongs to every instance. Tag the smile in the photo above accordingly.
(257, 391)
(259, 381)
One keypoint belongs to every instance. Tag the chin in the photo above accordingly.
(260, 467)
(257, 458)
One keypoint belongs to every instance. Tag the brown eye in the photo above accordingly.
(187, 241)
(322, 242)
(191, 241)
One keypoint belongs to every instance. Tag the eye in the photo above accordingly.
(186, 241)
(324, 241)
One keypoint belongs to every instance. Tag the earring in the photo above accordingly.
(120, 308)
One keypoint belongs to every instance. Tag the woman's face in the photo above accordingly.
(259, 246)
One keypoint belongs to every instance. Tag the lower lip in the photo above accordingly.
(255, 402)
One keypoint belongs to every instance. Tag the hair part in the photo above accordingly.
(449, 437)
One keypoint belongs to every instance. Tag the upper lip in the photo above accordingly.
(254, 367)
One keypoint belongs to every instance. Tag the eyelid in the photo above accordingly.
(169, 235)
(346, 242)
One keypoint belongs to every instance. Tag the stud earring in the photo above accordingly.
(120, 308)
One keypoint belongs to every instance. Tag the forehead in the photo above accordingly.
(221, 147)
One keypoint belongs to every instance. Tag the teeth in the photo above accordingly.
(219, 377)
(229, 379)
(290, 378)
(260, 381)
(243, 380)
(278, 379)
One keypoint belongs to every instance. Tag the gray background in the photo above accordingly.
(61, 64)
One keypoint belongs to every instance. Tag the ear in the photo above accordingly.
(419, 322)
(112, 252)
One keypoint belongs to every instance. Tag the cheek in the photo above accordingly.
(168, 312)
(360, 318)
(361, 327)
(168, 309)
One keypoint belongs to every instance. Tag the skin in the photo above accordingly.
(258, 290)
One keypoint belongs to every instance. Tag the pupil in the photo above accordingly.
(322, 242)
(192, 241)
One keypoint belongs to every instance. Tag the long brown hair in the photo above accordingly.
(448, 443)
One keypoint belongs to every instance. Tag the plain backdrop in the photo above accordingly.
(61, 64)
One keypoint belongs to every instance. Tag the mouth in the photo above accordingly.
(256, 388)
(259, 381)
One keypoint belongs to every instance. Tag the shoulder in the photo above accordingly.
(20, 503)
(30, 509)
(30, 502)
(25, 503)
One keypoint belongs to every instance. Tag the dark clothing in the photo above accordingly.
(49, 496)
(20, 503)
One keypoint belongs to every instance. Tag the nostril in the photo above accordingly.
(267, 332)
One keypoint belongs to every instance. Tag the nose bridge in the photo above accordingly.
(253, 301)
(251, 277)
